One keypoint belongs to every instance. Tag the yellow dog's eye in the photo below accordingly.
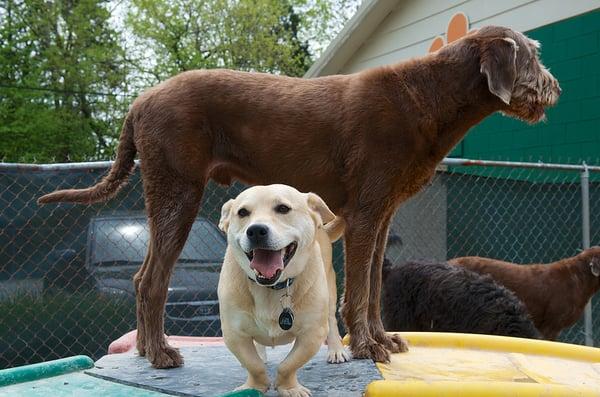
(282, 209)
(242, 212)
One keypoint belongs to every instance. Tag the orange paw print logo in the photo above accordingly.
(457, 28)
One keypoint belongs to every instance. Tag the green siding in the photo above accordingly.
(571, 49)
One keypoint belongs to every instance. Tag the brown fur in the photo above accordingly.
(364, 142)
(554, 294)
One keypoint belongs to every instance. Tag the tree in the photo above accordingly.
(253, 35)
(61, 76)
(68, 72)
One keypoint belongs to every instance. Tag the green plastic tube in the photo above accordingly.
(46, 369)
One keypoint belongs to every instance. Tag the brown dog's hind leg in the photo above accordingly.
(137, 279)
(393, 343)
(172, 205)
(359, 240)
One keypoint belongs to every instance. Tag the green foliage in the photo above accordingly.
(259, 35)
(70, 68)
(55, 57)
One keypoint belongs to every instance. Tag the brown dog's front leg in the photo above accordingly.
(393, 343)
(359, 240)
(152, 297)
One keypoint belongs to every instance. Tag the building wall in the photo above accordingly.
(571, 49)
(570, 37)
(409, 30)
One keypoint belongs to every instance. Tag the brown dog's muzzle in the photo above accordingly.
(551, 91)
(532, 96)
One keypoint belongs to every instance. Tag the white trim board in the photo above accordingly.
(387, 31)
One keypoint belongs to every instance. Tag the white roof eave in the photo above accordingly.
(356, 31)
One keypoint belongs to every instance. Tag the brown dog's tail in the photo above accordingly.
(335, 228)
(111, 183)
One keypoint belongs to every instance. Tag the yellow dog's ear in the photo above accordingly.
(225, 215)
(317, 205)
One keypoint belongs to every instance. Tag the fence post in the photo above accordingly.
(585, 223)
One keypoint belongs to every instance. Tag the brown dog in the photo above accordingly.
(364, 142)
(554, 294)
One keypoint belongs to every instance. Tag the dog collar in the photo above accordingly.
(278, 286)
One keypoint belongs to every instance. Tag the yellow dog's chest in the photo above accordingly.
(267, 329)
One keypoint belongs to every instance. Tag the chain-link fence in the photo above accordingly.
(66, 270)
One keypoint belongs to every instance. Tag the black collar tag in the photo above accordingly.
(286, 319)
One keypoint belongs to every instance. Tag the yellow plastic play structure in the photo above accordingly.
(469, 365)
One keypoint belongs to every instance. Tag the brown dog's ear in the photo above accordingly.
(499, 65)
(595, 267)
(225, 214)
(317, 204)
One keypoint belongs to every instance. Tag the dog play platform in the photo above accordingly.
(437, 364)
(468, 365)
(210, 370)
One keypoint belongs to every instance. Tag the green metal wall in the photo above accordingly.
(571, 49)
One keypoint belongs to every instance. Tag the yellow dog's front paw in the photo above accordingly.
(263, 388)
(296, 391)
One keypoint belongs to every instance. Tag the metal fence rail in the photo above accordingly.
(65, 270)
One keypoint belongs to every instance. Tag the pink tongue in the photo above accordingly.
(267, 262)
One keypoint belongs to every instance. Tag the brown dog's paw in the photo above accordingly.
(399, 344)
(165, 357)
(370, 349)
(394, 343)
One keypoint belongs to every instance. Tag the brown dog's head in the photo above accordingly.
(594, 260)
(510, 62)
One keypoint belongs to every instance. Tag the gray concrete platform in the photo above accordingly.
(212, 371)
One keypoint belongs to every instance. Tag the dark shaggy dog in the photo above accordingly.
(364, 142)
(440, 297)
(554, 294)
